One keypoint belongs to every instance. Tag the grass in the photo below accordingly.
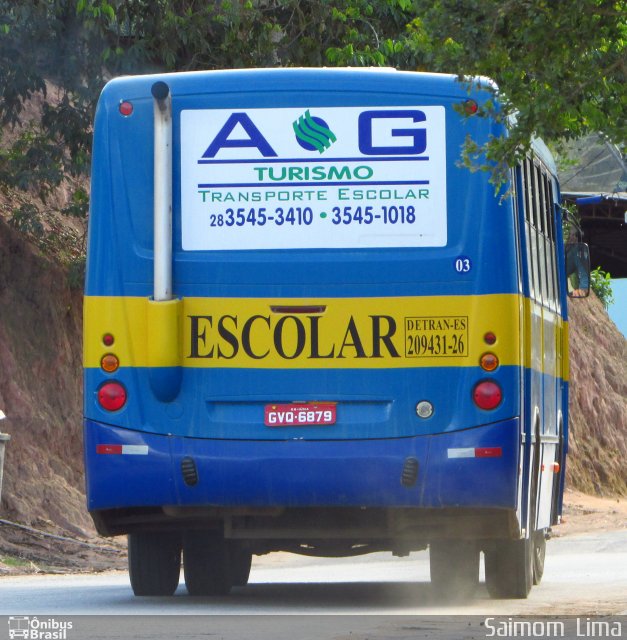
(12, 561)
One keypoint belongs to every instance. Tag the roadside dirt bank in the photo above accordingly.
(584, 513)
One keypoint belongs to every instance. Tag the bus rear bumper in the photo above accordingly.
(474, 468)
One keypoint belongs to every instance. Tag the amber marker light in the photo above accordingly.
(489, 362)
(109, 363)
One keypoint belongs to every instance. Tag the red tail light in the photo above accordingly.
(126, 108)
(487, 395)
(112, 396)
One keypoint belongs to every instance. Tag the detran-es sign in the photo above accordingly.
(329, 177)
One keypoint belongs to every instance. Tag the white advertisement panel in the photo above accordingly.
(325, 177)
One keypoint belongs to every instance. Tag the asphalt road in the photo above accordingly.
(366, 597)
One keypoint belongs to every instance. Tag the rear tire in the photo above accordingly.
(509, 568)
(241, 562)
(154, 563)
(206, 564)
(539, 553)
(510, 564)
(454, 568)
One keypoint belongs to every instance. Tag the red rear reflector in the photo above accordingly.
(126, 108)
(487, 395)
(109, 448)
(475, 452)
(123, 449)
(470, 107)
(488, 452)
(112, 396)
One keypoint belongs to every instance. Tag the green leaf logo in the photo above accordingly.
(313, 133)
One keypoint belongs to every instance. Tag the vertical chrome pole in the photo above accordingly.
(162, 192)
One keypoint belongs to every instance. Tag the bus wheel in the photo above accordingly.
(206, 564)
(454, 568)
(539, 552)
(509, 568)
(154, 563)
(241, 562)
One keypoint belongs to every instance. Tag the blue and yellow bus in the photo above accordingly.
(308, 328)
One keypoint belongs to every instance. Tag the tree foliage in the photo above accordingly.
(601, 284)
(47, 62)
(560, 64)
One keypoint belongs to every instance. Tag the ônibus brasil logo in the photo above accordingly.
(27, 628)
(313, 133)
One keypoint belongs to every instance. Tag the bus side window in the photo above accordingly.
(552, 239)
(532, 262)
(549, 246)
(540, 219)
(535, 231)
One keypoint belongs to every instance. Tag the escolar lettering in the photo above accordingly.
(290, 337)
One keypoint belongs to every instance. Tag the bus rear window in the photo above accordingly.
(326, 177)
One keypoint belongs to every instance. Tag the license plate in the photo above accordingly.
(300, 415)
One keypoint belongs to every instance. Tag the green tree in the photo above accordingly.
(180, 35)
(49, 60)
(601, 284)
(560, 65)
(60, 52)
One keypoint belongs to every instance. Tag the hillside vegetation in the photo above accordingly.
(598, 401)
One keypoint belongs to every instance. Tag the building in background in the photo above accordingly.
(593, 176)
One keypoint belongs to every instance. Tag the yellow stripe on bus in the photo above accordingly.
(338, 333)
(565, 357)
(545, 340)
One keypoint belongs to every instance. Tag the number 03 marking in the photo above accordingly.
(463, 264)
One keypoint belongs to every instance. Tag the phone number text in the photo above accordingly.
(304, 216)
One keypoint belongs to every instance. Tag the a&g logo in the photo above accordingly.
(313, 133)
